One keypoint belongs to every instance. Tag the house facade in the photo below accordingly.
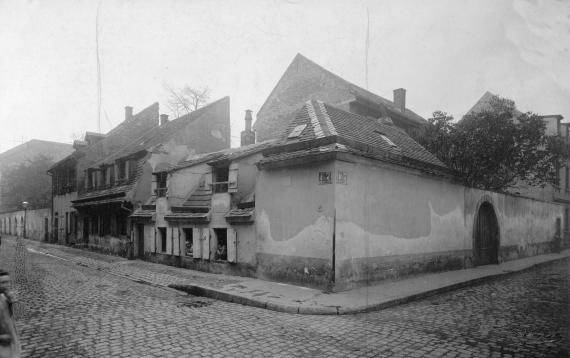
(118, 184)
(339, 200)
(204, 212)
(69, 175)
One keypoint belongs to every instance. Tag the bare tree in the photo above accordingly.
(186, 99)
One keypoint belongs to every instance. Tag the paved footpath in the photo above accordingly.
(66, 309)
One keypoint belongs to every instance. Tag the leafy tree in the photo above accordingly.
(186, 99)
(496, 147)
(26, 182)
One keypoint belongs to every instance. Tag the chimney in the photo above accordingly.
(400, 98)
(163, 119)
(247, 136)
(128, 112)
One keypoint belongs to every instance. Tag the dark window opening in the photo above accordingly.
(95, 225)
(188, 236)
(105, 225)
(221, 252)
(220, 182)
(162, 232)
(161, 183)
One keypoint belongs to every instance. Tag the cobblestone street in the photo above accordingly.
(68, 310)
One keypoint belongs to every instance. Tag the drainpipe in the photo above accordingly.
(333, 262)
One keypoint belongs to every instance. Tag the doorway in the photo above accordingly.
(486, 236)
(140, 240)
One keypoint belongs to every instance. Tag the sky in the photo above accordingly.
(445, 53)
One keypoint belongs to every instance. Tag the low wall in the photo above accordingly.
(37, 222)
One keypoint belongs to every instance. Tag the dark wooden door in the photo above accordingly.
(46, 229)
(486, 236)
(140, 240)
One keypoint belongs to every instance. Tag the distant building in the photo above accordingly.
(29, 151)
(305, 80)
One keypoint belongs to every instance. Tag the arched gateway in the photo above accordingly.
(486, 236)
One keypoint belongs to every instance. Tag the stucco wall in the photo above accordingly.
(35, 223)
(527, 227)
(392, 222)
(294, 223)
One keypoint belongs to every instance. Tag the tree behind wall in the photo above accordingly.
(26, 182)
(186, 99)
(497, 147)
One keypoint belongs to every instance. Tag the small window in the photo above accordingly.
(189, 241)
(161, 183)
(162, 232)
(221, 251)
(220, 182)
(297, 131)
(386, 139)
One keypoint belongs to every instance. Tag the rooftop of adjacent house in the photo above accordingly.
(229, 154)
(33, 148)
(484, 103)
(157, 135)
(318, 83)
(352, 133)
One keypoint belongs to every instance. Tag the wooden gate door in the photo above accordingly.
(486, 240)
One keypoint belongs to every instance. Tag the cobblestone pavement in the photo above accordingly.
(67, 310)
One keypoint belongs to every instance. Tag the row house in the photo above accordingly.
(118, 184)
(69, 175)
(203, 210)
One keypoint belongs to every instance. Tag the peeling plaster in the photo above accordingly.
(314, 240)
(447, 233)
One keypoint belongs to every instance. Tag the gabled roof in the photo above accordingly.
(323, 120)
(157, 135)
(484, 103)
(303, 80)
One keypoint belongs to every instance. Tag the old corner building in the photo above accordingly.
(334, 194)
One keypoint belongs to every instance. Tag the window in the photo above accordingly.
(386, 139)
(221, 251)
(220, 182)
(103, 176)
(161, 183)
(567, 180)
(111, 175)
(297, 131)
(162, 233)
(122, 169)
(189, 241)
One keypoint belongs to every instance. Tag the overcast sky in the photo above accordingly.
(446, 53)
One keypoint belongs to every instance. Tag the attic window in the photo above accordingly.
(386, 139)
(297, 131)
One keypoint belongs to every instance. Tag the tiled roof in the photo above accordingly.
(229, 154)
(324, 120)
(152, 138)
(240, 213)
(194, 217)
(140, 213)
(305, 79)
(98, 202)
(200, 198)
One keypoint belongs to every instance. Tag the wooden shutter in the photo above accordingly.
(196, 243)
(206, 244)
(233, 178)
(208, 180)
(232, 245)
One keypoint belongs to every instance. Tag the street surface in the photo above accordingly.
(68, 310)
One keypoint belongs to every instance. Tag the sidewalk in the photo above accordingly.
(285, 297)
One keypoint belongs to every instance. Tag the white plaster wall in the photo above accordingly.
(382, 212)
(294, 214)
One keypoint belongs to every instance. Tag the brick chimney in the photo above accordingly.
(400, 98)
(128, 112)
(163, 119)
(247, 136)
